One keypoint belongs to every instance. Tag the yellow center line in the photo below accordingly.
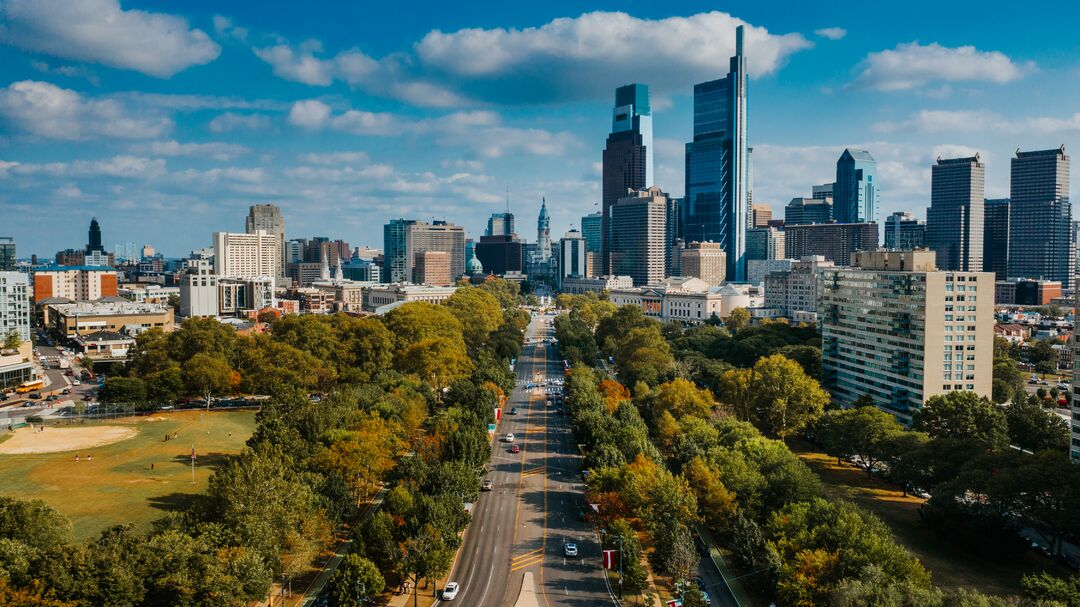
(539, 558)
(546, 415)
(521, 470)
(527, 554)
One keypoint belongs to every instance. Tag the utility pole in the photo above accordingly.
(620, 566)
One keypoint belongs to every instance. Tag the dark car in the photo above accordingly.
(513, 410)
(34, 396)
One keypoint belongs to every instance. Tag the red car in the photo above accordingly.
(515, 449)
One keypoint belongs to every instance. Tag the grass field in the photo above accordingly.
(951, 566)
(117, 485)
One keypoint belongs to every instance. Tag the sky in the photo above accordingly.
(166, 120)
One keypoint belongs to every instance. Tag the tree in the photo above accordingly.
(682, 398)
(123, 390)
(1033, 428)
(479, 313)
(424, 555)
(438, 360)
(738, 320)
(33, 596)
(12, 341)
(164, 386)
(420, 320)
(1042, 355)
(365, 455)
(775, 395)
(716, 503)
(1048, 587)
(963, 415)
(643, 355)
(205, 375)
(1008, 379)
(611, 329)
(33, 523)
(356, 578)
(862, 431)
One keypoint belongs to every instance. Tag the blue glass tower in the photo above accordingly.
(855, 193)
(716, 207)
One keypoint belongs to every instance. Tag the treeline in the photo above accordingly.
(668, 454)
(410, 396)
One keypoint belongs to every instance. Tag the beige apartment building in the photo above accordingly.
(118, 316)
(896, 328)
(254, 255)
(704, 260)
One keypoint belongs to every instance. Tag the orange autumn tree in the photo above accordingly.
(614, 394)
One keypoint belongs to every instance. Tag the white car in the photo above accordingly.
(450, 592)
(76, 382)
(570, 549)
(509, 437)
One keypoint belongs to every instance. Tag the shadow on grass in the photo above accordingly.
(204, 460)
(176, 502)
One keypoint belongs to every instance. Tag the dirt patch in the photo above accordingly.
(52, 440)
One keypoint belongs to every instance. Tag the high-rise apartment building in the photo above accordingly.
(996, 237)
(628, 155)
(760, 215)
(572, 256)
(638, 233)
(903, 231)
(77, 283)
(801, 211)
(855, 194)
(765, 243)
(834, 241)
(14, 306)
(716, 207)
(500, 224)
(421, 237)
(7, 254)
(954, 221)
(794, 291)
(242, 255)
(590, 230)
(268, 218)
(1040, 217)
(704, 260)
(432, 268)
(897, 329)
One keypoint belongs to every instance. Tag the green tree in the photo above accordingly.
(356, 578)
(12, 341)
(206, 375)
(862, 431)
(123, 390)
(424, 556)
(775, 395)
(1042, 355)
(479, 313)
(1033, 428)
(164, 386)
(1048, 587)
(682, 398)
(643, 355)
(33, 523)
(610, 329)
(738, 320)
(438, 360)
(419, 320)
(963, 415)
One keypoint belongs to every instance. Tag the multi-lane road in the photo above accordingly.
(533, 509)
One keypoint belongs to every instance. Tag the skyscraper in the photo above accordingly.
(996, 237)
(628, 156)
(638, 236)
(268, 218)
(764, 243)
(954, 221)
(1040, 215)
(500, 224)
(716, 206)
(855, 193)
(395, 269)
(572, 256)
(422, 237)
(7, 254)
(543, 232)
(94, 237)
(903, 231)
(802, 211)
(760, 215)
(590, 229)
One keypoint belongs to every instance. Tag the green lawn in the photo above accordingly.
(950, 565)
(118, 486)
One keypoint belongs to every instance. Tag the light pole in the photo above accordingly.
(620, 567)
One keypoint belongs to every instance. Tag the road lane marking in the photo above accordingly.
(529, 562)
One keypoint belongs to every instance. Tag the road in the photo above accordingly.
(521, 525)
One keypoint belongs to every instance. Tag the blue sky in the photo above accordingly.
(166, 125)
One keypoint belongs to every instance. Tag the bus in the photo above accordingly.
(30, 386)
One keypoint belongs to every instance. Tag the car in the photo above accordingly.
(513, 410)
(509, 437)
(570, 549)
(920, 493)
(515, 449)
(450, 591)
(486, 485)
(35, 395)
(1033, 381)
(66, 391)
(708, 599)
(76, 382)
(52, 397)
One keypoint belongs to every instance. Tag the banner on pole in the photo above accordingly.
(498, 413)
(609, 560)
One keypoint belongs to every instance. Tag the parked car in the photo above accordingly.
(76, 382)
(450, 591)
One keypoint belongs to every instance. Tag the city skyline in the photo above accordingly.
(241, 109)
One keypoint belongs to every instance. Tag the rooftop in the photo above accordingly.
(108, 308)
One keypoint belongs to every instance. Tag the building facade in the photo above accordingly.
(598, 284)
(268, 218)
(760, 215)
(628, 155)
(590, 230)
(903, 231)
(77, 283)
(432, 268)
(855, 193)
(501, 255)
(1040, 217)
(801, 211)
(198, 289)
(242, 255)
(765, 243)
(572, 256)
(14, 305)
(686, 299)
(758, 269)
(422, 237)
(395, 268)
(7, 254)
(954, 221)
(835, 241)
(996, 237)
(638, 232)
(717, 206)
(704, 260)
(500, 224)
(897, 329)
(119, 316)
(794, 292)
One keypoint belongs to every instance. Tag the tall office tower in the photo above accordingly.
(760, 215)
(822, 191)
(896, 328)
(432, 268)
(834, 241)
(704, 260)
(94, 237)
(628, 156)
(1040, 216)
(543, 232)
(590, 229)
(802, 211)
(638, 233)
(421, 237)
(716, 207)
(14, 308)
(255, 255)
(94, 254)
(764, 243)
(268, 218)
(394, 235)
(672, 242)
(7, 254)
(500, 224)
(501, 255)
(903, 231)
(855, 193)
(954, 221)
(996, 237)
(572, 256)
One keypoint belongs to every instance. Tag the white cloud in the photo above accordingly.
(980, 121)
(100, 31)
(122, 166)
(359, 122)
(831, 33)
(335, 158)
(70, 71)
(230, 121)
(225, 28)
(309, 114)
(298, 66)
(44, 109)
(913, 65)
(216, 150)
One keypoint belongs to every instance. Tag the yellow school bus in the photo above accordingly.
(30, 386)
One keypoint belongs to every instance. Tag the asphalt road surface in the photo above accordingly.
(533, 509)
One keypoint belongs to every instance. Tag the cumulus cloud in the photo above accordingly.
(214, 149)
(122, 166)
(913, 65)
(831, 33)
(230, 121)
(309, 114)
(566, 59)
(46, 110)
(980, 121)
(335, 158)
(99, 31)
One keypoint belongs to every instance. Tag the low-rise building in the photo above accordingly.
(579, 285)
(147, 292)
(113, 314)
(105, 346)
(687, 299)
(382, 295)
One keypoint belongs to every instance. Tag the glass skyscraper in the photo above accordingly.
(1040, 217)
(590, 229)
(716, 207)
(954, 221)
(996, 236)
(628, 156)
(855, 193)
